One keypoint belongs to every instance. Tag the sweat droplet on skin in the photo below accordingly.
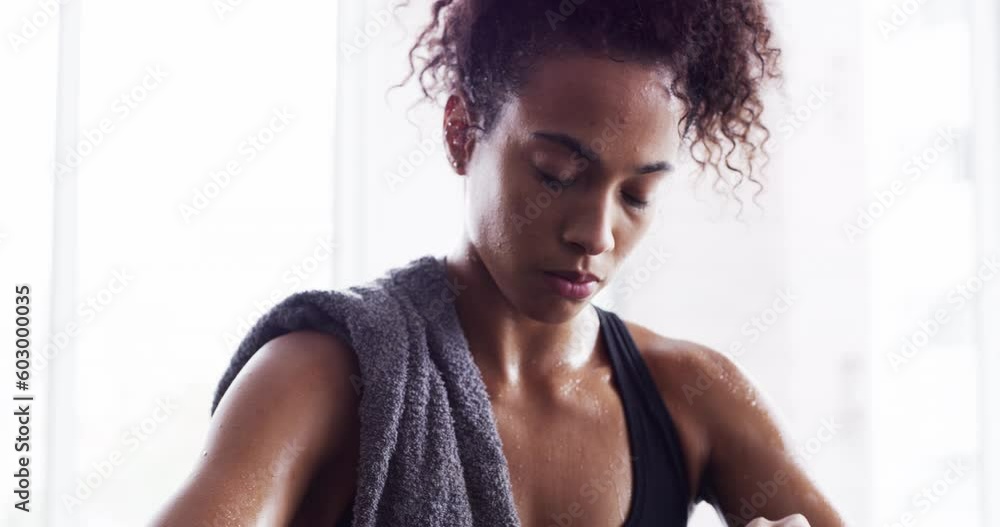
(571, 386)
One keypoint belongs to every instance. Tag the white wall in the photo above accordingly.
(326, 179)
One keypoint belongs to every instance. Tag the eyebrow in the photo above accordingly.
(577, 146)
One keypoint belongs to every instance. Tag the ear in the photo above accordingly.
(458, 133)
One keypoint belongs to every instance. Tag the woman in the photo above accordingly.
(563, 118)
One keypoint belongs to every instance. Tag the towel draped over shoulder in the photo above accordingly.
(430, 453)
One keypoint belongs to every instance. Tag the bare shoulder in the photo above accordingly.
(736, 447)
(290, 411)
(306, 383)
(309, 374)
(309, 361)
(707, 394)
(687, 370)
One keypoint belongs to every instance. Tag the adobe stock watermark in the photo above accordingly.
(582, 339)
(591, 490)
(709, 30)
(87, 310)
(957, 298)
(656, 258)
(447, 293)
(414, 159)
(291, 279)
(223, 8)
(811, 447)
(751, 506)
(914, 169)
(753, 329)
(224, 513)
(817, 99)
(930, 494)
(900, 14)
(762, 322)
(122, 108)
(33, 24)
(566, 9)
(246, 152)
(103, 469)
(535, 206)
(363, 36)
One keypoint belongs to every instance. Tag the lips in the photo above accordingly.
(576, 277)
(571, 284)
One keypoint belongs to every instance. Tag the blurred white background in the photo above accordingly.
(169, 171)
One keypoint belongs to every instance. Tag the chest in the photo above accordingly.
(568, 455)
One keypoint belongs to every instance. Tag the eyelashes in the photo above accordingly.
(635, 202)
(548, 179)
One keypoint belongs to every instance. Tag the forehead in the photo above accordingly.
(591, 97)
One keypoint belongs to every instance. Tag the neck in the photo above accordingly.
(510, 347)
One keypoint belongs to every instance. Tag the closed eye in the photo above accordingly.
(546, 178)
(631, 200)
(634, 202)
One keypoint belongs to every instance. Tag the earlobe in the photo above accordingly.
(456, 138)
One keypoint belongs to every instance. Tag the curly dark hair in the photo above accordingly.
(719, 52)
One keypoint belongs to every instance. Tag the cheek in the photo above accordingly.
(635, 231)
(534, 209)
(495, 201)
(630, 238)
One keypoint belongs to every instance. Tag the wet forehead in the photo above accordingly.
(591, 97)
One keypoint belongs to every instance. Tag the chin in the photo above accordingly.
(551, 308)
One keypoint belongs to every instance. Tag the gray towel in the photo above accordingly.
(430, 451)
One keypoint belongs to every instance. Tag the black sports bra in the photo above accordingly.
(660, 494)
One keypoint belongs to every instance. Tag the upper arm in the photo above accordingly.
(291, 408)
(751, 471)
(740, 459)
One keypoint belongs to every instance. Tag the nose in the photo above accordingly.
(590, 227)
